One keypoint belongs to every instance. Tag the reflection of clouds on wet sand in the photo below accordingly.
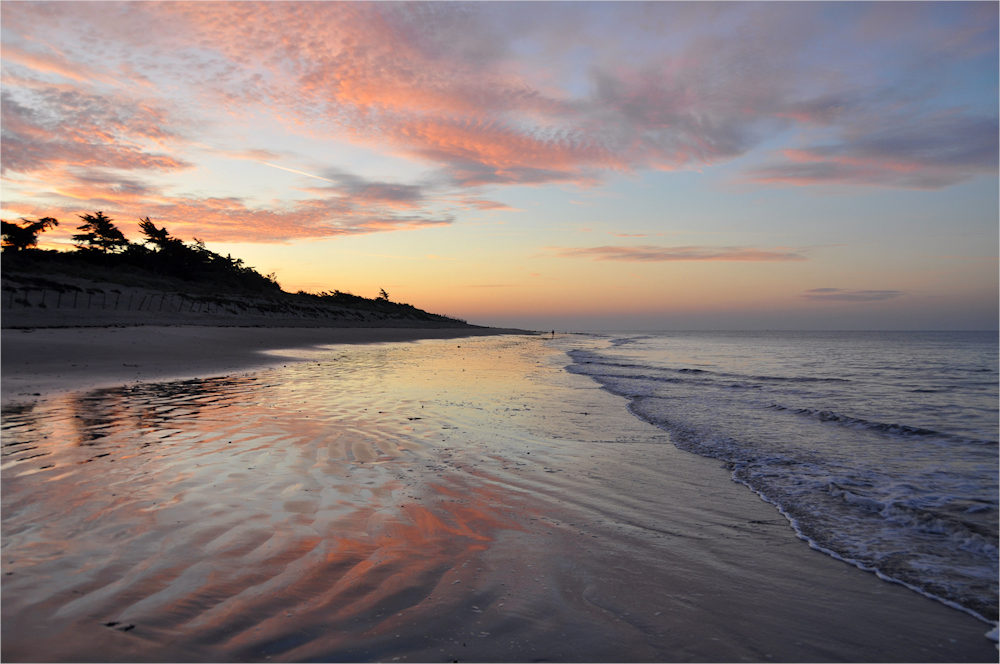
(227, 510)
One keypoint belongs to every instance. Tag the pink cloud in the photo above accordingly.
(232, 220)
(416, 78)
(390, 75)
(448, 85)
(49, 63)
(484, 204)
(50, 127)
(656, 254)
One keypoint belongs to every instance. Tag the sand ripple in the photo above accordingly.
(214, 512)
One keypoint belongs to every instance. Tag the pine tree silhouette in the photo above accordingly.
(100, 234)
(19, 238)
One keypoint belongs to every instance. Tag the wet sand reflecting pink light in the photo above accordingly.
(211, 515)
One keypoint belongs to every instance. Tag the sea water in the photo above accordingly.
(879, 447)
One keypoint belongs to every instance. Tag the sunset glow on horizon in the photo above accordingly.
(578, 166)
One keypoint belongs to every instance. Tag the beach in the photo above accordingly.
(57, 359)
(395, 494)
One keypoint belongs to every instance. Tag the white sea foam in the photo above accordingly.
(881, 450)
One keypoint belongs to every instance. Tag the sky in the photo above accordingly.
(570, 166)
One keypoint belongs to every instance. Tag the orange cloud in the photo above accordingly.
(49, 63)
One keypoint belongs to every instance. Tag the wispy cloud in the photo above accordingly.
(442, 84)
(656, 254)
(918, 153)
(449, 87)
(48, 128)
(484, 204)
(846, 295)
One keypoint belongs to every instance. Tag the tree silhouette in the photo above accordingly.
(192, 261)
(382, 295)
(158, 236)
(100, 234)
(18, 238)
(102, 245)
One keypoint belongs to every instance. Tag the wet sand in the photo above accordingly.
(37, 362)
(432, 501)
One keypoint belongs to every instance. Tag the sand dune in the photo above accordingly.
(31, 301)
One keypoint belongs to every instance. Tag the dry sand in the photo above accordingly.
(433, 501)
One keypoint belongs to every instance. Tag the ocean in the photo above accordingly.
(880, 448)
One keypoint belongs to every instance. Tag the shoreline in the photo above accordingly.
(410, 501)
(41, 362)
